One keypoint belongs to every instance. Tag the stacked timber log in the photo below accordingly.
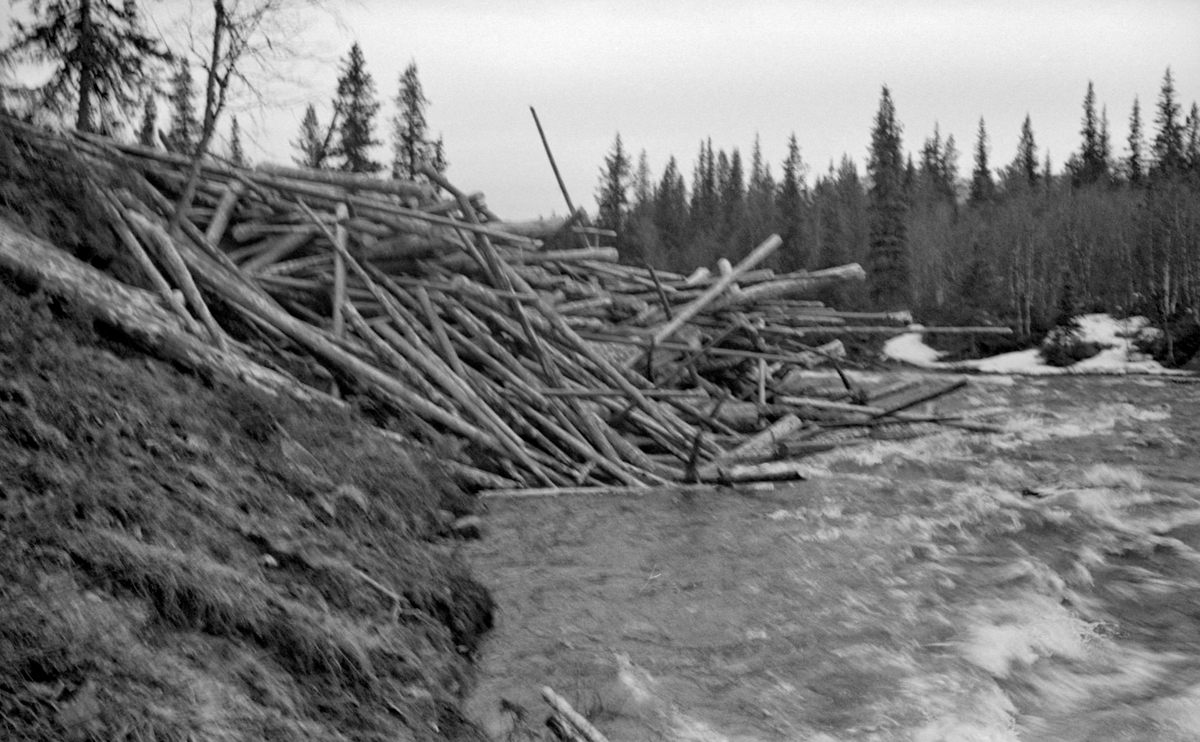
(557, 368)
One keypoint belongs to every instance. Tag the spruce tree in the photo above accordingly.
(1167, 148)
(722, 175)
(888, 270)
(1135, 164)
(411, 149)
(790, 207)
(356, 107)
(437, 159)
(760, 196)
(236, 155)
(1105, 144)
(950, 169)
(313, 144)
(101, 58)
(612, 197)
(704, 191)
(852, 198)
(671, 212)
(1024, 169)
(181, 137)
(938, 170)
(983, 188)
(733, 196)
(148, 129)
(643, 188)
(1093, 160)
(1191, 139)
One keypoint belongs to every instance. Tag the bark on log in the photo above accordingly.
(339, 269)
(758, 446)
(174, 300)
(278, 249)
(537, 229)
(216, 227)
(352, 181)
(771, 471)
(756, 256)
(603, 254)
(169, 256)
(793, 284)
(927, 397)
(133, 312)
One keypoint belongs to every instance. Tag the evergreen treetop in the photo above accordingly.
(1024, 169)
(1135, 164)
(733, 193)
(1191, 139)
(704, 189)
(102, 60)
(671, 209)
(184, 131)
(1093, 155)
(983, 188)
(888, 272)
(790, 207)
(643, 187)
(313, 144)
(236, 155)
(411, 148)
(612, 196)
(1167, 148)
(356, 107)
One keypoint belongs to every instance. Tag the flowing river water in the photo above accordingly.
(1042, 583)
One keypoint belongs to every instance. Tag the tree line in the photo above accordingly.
(1017, 245)
(106, 68)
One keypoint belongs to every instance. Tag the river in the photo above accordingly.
(1041, 583)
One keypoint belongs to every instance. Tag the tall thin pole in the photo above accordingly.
(554, 166)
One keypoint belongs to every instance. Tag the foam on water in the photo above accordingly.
(977, 713)
(939, 590)
(1007, 635)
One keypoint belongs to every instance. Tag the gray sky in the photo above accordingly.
(668, 73)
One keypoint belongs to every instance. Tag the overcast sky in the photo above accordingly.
(668, 73)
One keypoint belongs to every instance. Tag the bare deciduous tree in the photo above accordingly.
(242, 44)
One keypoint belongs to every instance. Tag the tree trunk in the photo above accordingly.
(214, 101)
(87, 73)
(134, 313)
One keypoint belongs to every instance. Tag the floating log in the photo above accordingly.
(770, 471)
(758, 446)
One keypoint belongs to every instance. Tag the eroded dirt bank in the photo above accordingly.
(186, 560)
(1037, 584)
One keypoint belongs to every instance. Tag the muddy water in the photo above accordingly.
(1038, 584)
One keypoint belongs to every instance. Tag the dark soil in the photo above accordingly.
(180, 561)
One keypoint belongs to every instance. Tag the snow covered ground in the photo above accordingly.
(1119, 355)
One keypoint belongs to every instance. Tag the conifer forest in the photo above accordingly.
(994, 241)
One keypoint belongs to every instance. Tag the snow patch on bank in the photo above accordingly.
(1119, 355)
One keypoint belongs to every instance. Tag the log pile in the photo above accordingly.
(558, 368)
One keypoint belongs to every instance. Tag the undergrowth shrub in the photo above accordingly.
(1063, 346)
(1174, 344)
